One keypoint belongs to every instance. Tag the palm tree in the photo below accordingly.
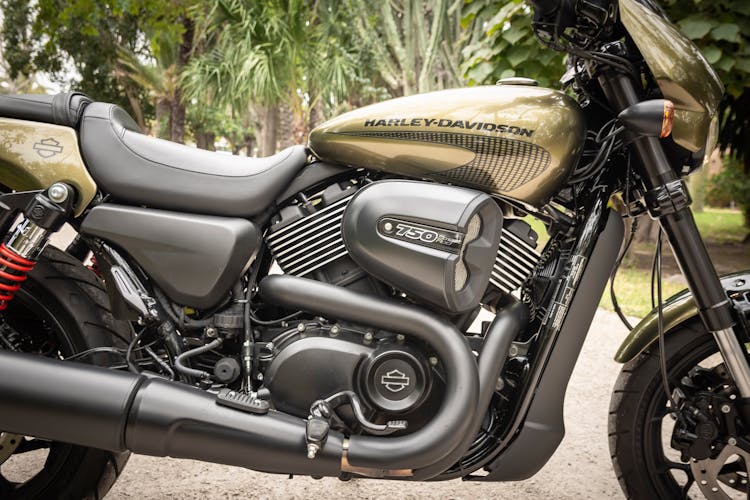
(260, 55)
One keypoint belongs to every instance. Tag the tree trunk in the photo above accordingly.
(268, 129)
(286, 127)
(163, 127)
(177, 132)
(205, 140)
(250, 145)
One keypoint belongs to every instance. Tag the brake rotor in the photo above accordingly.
(712, 475)
(8, 444)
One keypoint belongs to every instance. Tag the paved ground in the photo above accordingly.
(580, 469)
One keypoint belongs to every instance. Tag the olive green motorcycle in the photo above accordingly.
(310, 312)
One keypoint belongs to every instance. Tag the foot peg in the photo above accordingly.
(249, 403)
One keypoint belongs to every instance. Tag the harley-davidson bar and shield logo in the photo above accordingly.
(395, 381)
(47, 148)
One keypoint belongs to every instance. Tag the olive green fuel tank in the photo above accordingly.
(516, 141)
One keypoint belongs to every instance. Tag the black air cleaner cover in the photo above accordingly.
(437, 243)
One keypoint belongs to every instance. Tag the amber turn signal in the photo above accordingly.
(668, 119)
(653, 118)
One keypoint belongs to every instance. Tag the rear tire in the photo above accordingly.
(76, 300)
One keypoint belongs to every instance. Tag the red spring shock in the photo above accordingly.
(13, 271)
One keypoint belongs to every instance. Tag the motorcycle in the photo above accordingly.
(309, 312)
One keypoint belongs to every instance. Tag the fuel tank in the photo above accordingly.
(516, 141)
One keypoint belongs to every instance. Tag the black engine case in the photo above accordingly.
(437, 243)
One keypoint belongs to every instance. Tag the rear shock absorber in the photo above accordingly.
(44, 215)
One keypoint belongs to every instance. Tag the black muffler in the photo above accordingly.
(101, 408)
(113, 410)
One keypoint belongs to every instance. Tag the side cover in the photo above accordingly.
(194, 259)
(435, 242)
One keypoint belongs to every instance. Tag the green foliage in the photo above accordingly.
(273, 52)
(53, 35)
(731, 184)
(721, 29)
(507, 46)
(415, 45)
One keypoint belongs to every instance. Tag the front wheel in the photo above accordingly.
(653, 449)
(61, 310)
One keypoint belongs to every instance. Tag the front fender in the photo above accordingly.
(677, 309)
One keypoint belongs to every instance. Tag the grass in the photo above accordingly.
(633, 291)
(721, 226)
(633, 284)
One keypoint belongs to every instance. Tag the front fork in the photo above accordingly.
(43, 214)
(668, 202)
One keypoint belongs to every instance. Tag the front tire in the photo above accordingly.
(66, 302)
(640, 426)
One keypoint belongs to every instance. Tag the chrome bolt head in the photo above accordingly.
(725, 409)
(368, 337)
(301, 327)
(58, 192)
(732, 442)
(400, 338)
(387, 227)
(433, 361)
(335, 330)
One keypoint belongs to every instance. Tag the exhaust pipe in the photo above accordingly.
(92, 406)
(95, 407)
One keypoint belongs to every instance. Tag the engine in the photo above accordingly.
(306, 239)
(428, 243)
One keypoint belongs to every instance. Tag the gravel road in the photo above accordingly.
(580, 469)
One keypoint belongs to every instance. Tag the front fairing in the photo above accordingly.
(682, 73)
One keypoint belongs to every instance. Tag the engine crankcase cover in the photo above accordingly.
(435, 242)
(395, 379)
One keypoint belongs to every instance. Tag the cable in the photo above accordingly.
(660, 328)
(129, 353)
(613, 297)
(186, 370)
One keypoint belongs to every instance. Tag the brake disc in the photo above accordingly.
(712, 475)
(8, 444)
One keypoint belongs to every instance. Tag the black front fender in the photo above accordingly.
(676, 310)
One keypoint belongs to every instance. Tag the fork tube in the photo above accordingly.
(668, 202)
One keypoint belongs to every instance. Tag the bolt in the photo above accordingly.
(499, 384)
(400, 338)
(513, 351)
(312, 450)
(335, 329)
(725, 409)
(259, 376)
(58, 192)
(387, 227)
(433, 361)
(301, 327)
(732, 441)
(368, 337)
(211, 332)
(270, 346)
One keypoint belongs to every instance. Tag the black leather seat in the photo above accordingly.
(61, 109)
(138, 169)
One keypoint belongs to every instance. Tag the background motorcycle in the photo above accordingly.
(393, 227)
